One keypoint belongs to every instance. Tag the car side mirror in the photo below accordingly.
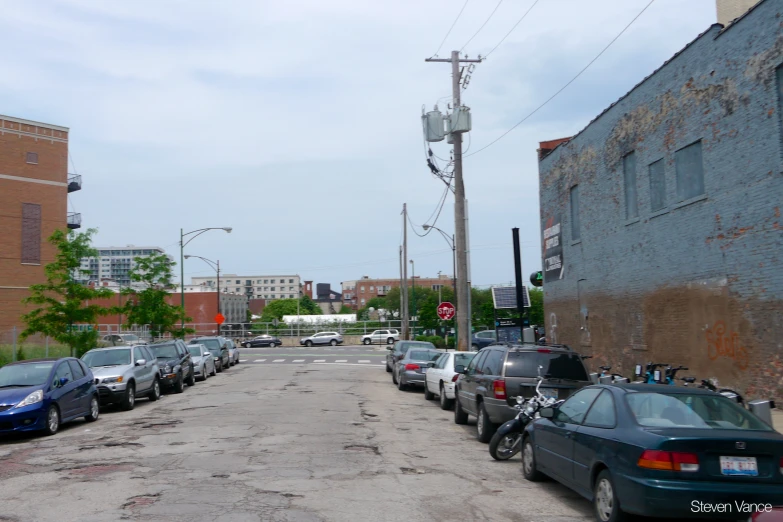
(460, 368)
(390, 348)
(431, 365)
(63, 381)
(547, 413)
(141, 362)
(206, 354)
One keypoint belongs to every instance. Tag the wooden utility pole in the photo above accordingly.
(404, 292)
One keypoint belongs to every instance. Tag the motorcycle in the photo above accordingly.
(507, 440)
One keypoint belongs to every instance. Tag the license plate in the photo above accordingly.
(739, 466)
(549, 393)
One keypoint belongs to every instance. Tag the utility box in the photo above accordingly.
(461, 119)
(433, 125)
(762, 408)
(449, 134)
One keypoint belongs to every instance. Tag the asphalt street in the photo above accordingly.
(342, 355)
(276, 442)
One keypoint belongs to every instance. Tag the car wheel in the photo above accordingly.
(475, 347)
(390, 340)
(95, 410)
(529, 469)
(388, 368)
(226, 366)
(400, 385)
(308, 343)
(445, 402)
(129, 401)
(179, 386)
(192, 377)
(333, 342)
(366, 342)
(155, 391)
(203, 373)
(607, 508)
(214, 371)
(484, 427)
(428, 396)
(237, 361)
(460, 416)
(52, 420)
(219, 367)
(394, 377)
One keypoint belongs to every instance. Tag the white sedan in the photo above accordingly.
(438, 380)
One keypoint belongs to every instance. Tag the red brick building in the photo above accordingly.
(34, 188)
(357, 293)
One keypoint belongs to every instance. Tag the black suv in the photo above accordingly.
(218, 347)
(175, 363)
(488, 387)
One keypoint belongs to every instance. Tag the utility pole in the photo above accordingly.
(404, 293)
(463, 292)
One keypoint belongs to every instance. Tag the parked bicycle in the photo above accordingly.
(652, 374)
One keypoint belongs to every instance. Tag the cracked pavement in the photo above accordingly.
(264, 443)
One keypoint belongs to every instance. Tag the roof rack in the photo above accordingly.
(531, 345)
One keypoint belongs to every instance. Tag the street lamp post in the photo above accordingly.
(450, 241)
(215, 265)
(182, 244)
(413, 296)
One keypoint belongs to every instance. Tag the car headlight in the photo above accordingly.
(217, 358)
(167, 369)
(112, 380)
(33, 398)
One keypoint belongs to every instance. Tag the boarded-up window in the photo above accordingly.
(31, 233)
(690, 171)
(32, 157)
(575, 225)
(631, 199)
(657, 186)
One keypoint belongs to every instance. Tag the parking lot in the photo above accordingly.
(274, 441)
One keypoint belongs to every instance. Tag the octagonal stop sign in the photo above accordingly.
(446, 311)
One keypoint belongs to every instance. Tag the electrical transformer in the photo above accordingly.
(460, 119)
(449, 135)
(433, 125)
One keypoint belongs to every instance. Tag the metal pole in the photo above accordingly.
(518, 276)
(182, 273)
(13, 337)
(218, 292)
(404, 295)
(413, 298)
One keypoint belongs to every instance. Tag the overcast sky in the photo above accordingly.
(297, 123)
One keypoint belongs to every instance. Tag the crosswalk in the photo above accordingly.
(290, 360)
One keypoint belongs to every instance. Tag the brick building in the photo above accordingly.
(357, 292)
(34, 186)
(663, 238)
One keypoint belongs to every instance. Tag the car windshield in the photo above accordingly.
(98, 358)
(129, 338)
(28, 374)
(164, 351)
(683, 410)
(463, 358)
(423, 355)
(555, 365)
(195, 350)
(212, 344)
(410, 345)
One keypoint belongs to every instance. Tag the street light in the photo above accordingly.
(182, 244)
(453, 245)
(215, 265)
(413, 295)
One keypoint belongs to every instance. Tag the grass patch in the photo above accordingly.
(31, 351)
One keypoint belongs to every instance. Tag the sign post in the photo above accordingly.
(219, 319)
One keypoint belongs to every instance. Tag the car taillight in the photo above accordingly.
(456, 377)
(412, 366)
(781, 465)
(669, 460)
(544, 350)
(499, 387)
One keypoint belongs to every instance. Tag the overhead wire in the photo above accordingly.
(572, 80)
(450, 28)
(482, 25)
(512, 29)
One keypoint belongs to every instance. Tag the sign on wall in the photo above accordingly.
(553, 249)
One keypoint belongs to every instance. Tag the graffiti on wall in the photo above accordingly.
(723, 343)
(552, 328)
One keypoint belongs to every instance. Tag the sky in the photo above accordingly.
(298, 122)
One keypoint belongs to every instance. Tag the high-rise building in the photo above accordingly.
(114, 263)
(255, 286)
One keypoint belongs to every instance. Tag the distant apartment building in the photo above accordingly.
(267, 287)
(114, 263)
(356, 293)
(34, 187)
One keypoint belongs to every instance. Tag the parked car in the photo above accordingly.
(123, 374)
(399, 350)
(483, 339)
(262, 340)
(440, 377)
(203, 362)
(381, 336)
(42, 394)
(118, 339)
(410, 369)
(217, 346)
(176, 364)
(488, 387)
(233, 352)
(653, 450)
(332, 338)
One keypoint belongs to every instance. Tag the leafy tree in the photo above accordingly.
(280, 307)
(346, 310)
(61, 300)
(151, 305)
(536, 306)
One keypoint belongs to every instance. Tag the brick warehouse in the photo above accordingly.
(662, 218)
(34, 186)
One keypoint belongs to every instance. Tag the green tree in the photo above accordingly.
(346, 310)
(61, 300)
(536, 306)
(280, 307)
(151, 305)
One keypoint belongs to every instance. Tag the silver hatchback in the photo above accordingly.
(123, 373)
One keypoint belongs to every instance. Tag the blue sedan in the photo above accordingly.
(654, 450)
(42, 394)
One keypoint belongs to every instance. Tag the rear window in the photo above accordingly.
(421, 355)
(555, 365)
(463, 358)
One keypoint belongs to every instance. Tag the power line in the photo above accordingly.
(482, 26)
(452, 27)
(512, 29)
(572, 80)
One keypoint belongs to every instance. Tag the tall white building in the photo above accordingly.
(114, 263)
(255, 286)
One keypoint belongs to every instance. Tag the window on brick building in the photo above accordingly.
(31, 233)
(575, 225)
(32, 158)
(657, 186)
(689, 168)
(629, 177)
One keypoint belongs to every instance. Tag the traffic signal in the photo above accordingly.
(537, 278)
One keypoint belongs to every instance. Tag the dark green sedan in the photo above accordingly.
(655, 450)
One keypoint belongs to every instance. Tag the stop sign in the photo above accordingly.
(219, 318)
(446, 311)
